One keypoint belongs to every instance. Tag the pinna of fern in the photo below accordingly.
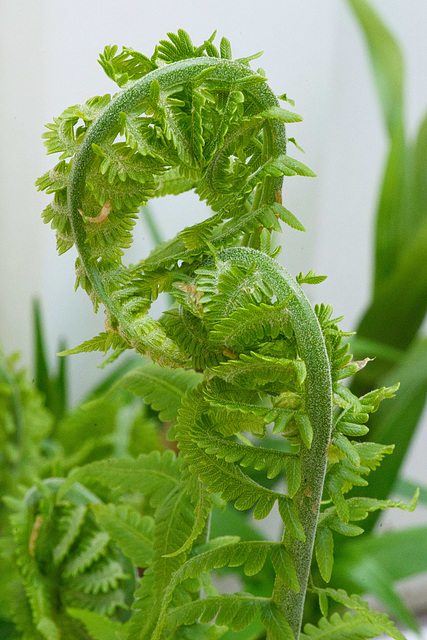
(192, 118)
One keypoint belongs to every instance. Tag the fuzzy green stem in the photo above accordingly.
(319, 409)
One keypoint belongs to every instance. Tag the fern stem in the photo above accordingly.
(319, 409)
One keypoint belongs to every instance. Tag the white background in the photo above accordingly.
(314, 52)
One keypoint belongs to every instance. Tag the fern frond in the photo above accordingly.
(196, 236)
(178, 47)
(169, 253)
(244, 222)
(371, 401)
(360, 625)
(310, 278)
(324, 550)
(272, 461)
(126, 66)
(62, 136)
(25, 424)
(225, 49)
(357, 509)
(104, 342)
(191, 118)
(219, 393)
(172, 182)
(60, 567)
(125, 196)
(275, 622)
(131, 532)
(144, 136)
(183, 131)
(90, 549)
(291, 220)
(342, 597)
(103, 603)
(153, 475)
(345, 473)
(71, 524)
(235, 611)
(255, 371)
(190, 333)
(162, 389)
(225, 477)
(173, 525)
(217, 475)
(99, 579)
(227, 288)
(283, 165)
(278, 113)
(244, 327)
(251, 555)
(202, 509)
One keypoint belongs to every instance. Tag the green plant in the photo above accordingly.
(241, 349)
(41, 442)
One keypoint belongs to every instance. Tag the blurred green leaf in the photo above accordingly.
(397, 312)
(53, 387)
(152, 226)
(387, 63)
(412, 546)
(397, 422)
(161, 388)
(388, 68)
(370, 564)
(390, 219)
(126, 365)
(389, 327)
(41, 370)
(364, 574)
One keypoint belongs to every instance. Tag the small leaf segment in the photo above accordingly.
(253, 355)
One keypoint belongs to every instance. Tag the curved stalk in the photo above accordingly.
(169, 77)
(319, 409)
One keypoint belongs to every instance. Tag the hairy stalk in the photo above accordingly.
(319, 409)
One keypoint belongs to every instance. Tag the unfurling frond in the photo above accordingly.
(83, 569)
(245, 376)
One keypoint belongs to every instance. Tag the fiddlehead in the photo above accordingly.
(206, 122)
(191, 118)
(65, 559)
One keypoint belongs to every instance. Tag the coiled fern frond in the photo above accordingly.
(265, 361)
(65, 559)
